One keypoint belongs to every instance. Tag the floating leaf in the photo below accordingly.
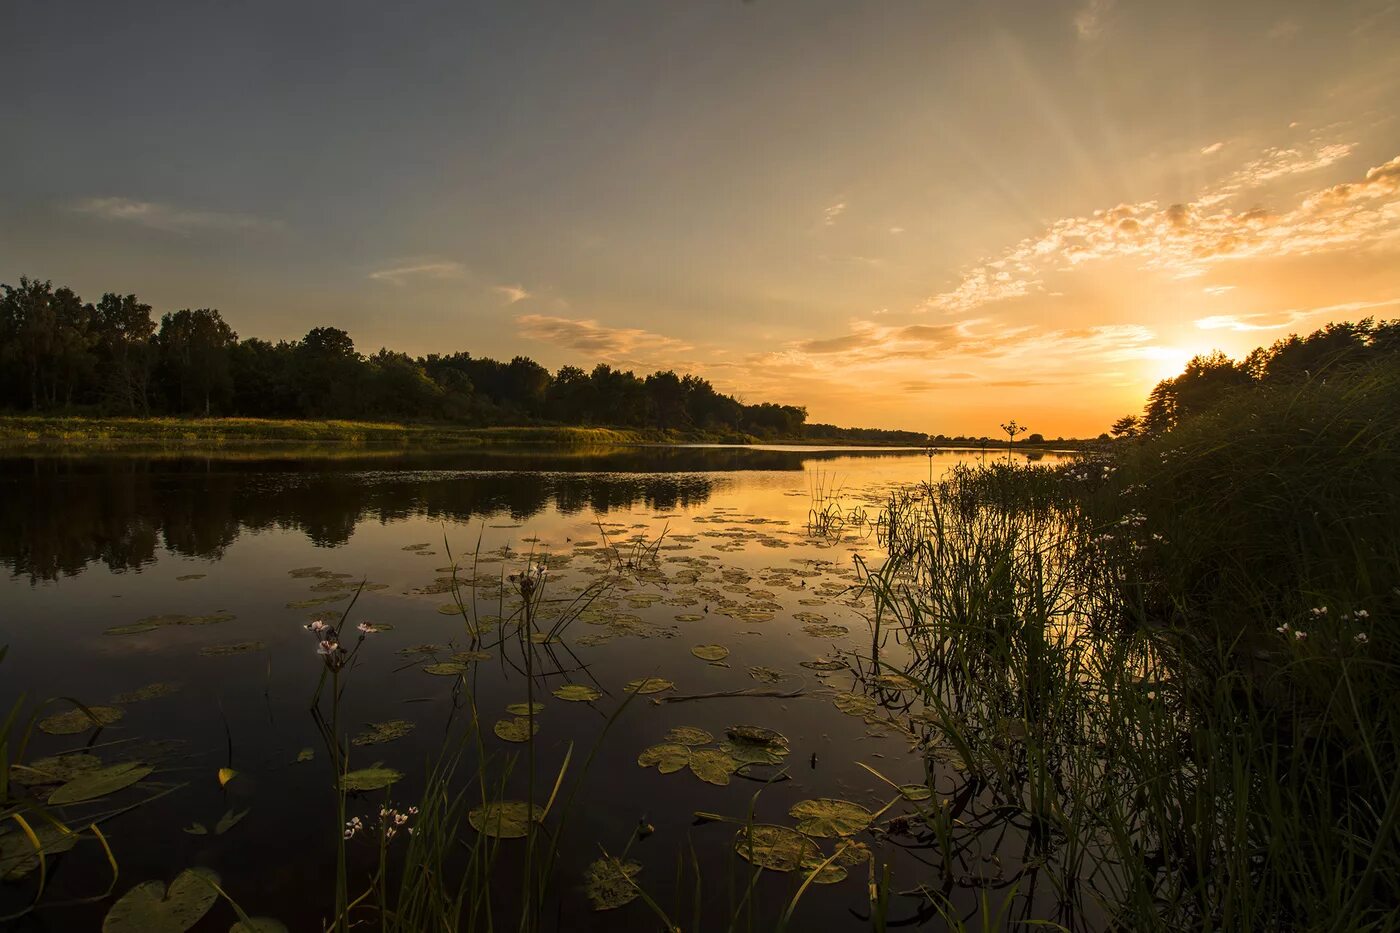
(897, 681)
(524, 709)
(379, 732)
(821, 664)
(371, 778)
(710, 652)
(75, 721)
(152, 908)
(306, 754)
(99, 783)
(577, 693)
(827, 816)
(777, 848)
(757, 735)
(148, 692)
(226, 775)
(472, 655)
(504, 819)
(667, 757)
(18, 857)
(189, 576)
(58, 769)
(746, 754)
(151, 623)
(825, 874)
(689, 735)
(712, 766)
(240, 647)
(608, 882)
(228, 821)
(648, 685)
(197, 829)
(854, 704)
(447, 668)
(915, 792)
(688, 617)
(519, 729)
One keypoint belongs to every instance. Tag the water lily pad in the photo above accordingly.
(447, 668)
(152, 908)
(241, 647)
(379, 732)
(688, 617)
(374, 777)
(757, 735)
(712, 766)
(826, 630)
(519, 729)
(148, 692)
(151, 623)
(471, 655)
(504, 819)
(75, 721)
(667, 757)
(710, 652)
(18, 857)
(744, 753)
(99, 783)
(689, 735)
(306, 754)
(821, 664)
(854, 704)
(897, 681)
(915, 792)
(524, 709)
(577, 693)
(777, 848)
(58, 769)
(825, 874)
(608, 882)
(648, 685)
(829, 817)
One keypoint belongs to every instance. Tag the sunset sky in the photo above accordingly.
(923, 215)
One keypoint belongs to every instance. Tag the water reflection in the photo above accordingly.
(64, 513)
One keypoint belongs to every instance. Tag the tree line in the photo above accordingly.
(1337, 351)
(59, 353)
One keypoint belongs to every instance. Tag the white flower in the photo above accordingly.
(328, 647)
(1283, 629)
(1362, 638)
(1362, 614)
(1300, 635)
(367, 628)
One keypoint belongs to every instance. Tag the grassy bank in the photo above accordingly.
(100, 433)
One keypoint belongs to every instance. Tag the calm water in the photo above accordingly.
(95, 544)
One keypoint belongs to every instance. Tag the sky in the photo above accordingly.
(924, 215)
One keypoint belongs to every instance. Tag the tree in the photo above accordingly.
(329, 373)
(124, 330)
(1126, 426)
(194, 353)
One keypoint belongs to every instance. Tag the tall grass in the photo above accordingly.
(1111, 665)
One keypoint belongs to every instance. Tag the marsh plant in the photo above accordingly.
(1145, 726)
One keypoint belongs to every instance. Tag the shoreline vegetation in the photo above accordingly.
(19, 432)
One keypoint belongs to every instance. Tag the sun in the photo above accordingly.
(1160, 363)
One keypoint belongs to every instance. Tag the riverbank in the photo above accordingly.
(17, 432)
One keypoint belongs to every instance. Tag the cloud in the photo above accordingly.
(1184, 239)
(436, 269)
(512, 293)
(600, 342)
(1212, 149)
(834, 211)
(1088, 21)
(1278, 320)
(167, 217)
